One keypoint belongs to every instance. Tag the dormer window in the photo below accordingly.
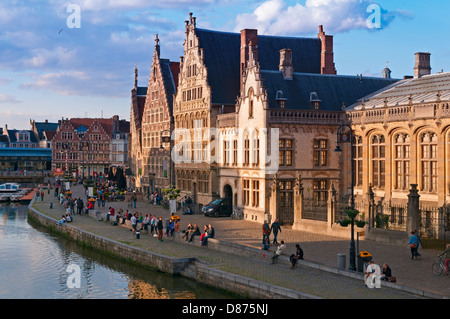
(281, 101)
(314, 101)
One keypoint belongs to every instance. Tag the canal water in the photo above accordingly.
(35, 264)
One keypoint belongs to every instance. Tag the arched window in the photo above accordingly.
(250, 103)
(402, 161)
(428, 161)
(378, 146)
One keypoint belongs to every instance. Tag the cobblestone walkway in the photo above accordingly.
(318, 248)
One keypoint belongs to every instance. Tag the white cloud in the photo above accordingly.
(4, 81)
(8, 99)
(276, 17)
(99, 5)
(58, 56)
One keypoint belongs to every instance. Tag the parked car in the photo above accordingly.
(218, 207)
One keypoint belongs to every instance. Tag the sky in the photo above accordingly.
(76, 58)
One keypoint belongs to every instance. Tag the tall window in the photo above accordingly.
(320, 153)
(285, 152)
(402, 160)
(250, 104)
(235, 152)
(226, 152)
(255, 150)
(286, 194)
(358, 160)
(255, 193)
(320, 190)
(246, 192)
(428, 161)
(246, 151)
(378, 161)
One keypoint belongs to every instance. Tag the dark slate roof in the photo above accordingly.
(141, 91)
(306, 53)
(13, 138)
(169, 80)
(46, 126)
(332, 90)
(222, 58)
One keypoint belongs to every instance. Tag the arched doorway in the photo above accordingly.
(228, 193)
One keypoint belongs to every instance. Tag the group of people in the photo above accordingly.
(193, 230)
(274, 228)
(374, 274)
(67, 218)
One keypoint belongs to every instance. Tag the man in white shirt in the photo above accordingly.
(279, 251)
(372, 278)
(133, 223)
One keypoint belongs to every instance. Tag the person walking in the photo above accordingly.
(413, 244)
(266, 233)
(80, 205)
(447, 258)
(419, 243)
(133, 223)
(160, 227)
(274, 229)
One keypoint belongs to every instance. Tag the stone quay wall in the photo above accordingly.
(188, 267)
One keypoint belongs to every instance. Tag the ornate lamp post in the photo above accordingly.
(167, 139)
(344, 138)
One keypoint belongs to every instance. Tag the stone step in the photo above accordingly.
(387, 236)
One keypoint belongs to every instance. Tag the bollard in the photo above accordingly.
(51, 205)
(341, 261)
(138, 235)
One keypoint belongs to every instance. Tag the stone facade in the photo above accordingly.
(402, 138)
(283, 132)
(157, 123)
(84, 145)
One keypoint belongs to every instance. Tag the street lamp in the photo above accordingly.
(167, 139)
(349, 139)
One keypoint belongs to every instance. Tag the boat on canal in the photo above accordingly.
(9, 188)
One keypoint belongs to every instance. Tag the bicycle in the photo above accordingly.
(237, 213)
(438, 267)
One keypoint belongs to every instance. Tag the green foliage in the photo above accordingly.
(382, 221)
(171, 193)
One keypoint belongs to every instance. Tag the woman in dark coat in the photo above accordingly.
(298, 255)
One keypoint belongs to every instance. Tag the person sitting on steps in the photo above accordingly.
(278, 252)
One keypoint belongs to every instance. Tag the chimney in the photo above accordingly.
(423, 64)
(115, 123)
(327, 54)
(247, 36)
(286, 66)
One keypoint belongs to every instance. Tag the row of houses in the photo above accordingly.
(84, 146)
(250, 117)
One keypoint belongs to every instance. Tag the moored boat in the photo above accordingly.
(9, 188)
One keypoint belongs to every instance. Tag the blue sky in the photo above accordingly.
(49, 71)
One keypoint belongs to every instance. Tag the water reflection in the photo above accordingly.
(34, 265)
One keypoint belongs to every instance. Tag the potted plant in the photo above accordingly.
(360, 223)
(344, 222)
